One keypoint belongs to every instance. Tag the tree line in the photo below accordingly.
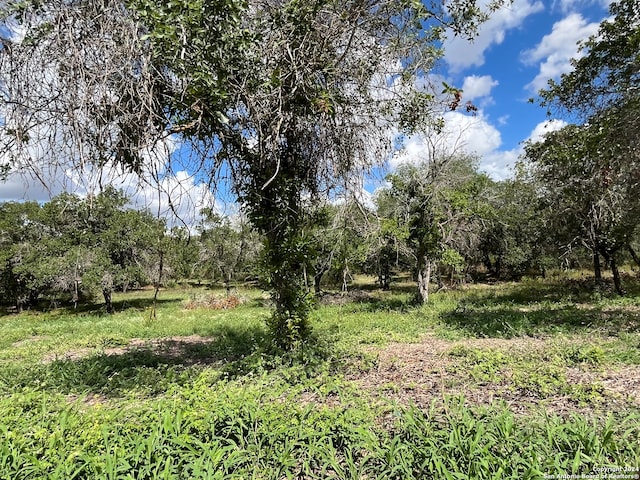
(443, 222)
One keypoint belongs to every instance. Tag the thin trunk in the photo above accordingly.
(597, 270)
(386, 280)
(76, 294)
(153, 314)
(424, 276)
(227, 283)
(306, 278)
(616, 275)
(317, 280)
(634, 255)
(106, 293)
(345, 275)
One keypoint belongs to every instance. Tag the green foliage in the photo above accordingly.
(75, 249)
(516, 237)
(439, 204)
(589, 169)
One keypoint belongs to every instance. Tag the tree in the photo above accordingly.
(607, 76)
(16, 236)
(517, 234)
(227, 247)
(288, 95)
(436, 202)
(597, 159)
(75, 248)
(590, 190)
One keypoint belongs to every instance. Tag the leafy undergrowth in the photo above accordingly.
(265, 430)
(476, 385)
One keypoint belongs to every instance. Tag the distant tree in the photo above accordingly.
(17, 236)
(517, 235)
(77, 248)
(348, 236)
(437, 203)
(228, 247)
(390, 248)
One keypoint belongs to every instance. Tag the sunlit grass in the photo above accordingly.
(200, 393)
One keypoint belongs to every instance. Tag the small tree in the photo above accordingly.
(436, 202)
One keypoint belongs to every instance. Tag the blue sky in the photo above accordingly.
(516, 52)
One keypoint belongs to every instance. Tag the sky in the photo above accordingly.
(515, 53)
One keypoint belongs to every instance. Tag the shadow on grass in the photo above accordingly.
(580, 291)
(369, 300)
(140, 304)
(386, 304)
(513, 321)
(155, 366)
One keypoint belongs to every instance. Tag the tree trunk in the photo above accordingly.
(227, 283)
(106, 293)
(317, 281)
(634, 255)
(345, 276)
(597, 271)
(616, 275)
(384, 275)
(424, 276)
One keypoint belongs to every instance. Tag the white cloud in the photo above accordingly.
(461, 54)
(567, 6)
(545, 127)
(477, 90)
(498, 164)
(476, 86)
(461, 133)
(556, 49)
(175, 195)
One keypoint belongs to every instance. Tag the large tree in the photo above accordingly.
(591, 193)
(284, 96)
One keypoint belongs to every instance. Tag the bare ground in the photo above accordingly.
(421, 373)
(426, 372)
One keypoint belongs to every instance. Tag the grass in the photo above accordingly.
(503, 381)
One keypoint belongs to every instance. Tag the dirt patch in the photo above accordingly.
(422, 373)
(170, 348)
